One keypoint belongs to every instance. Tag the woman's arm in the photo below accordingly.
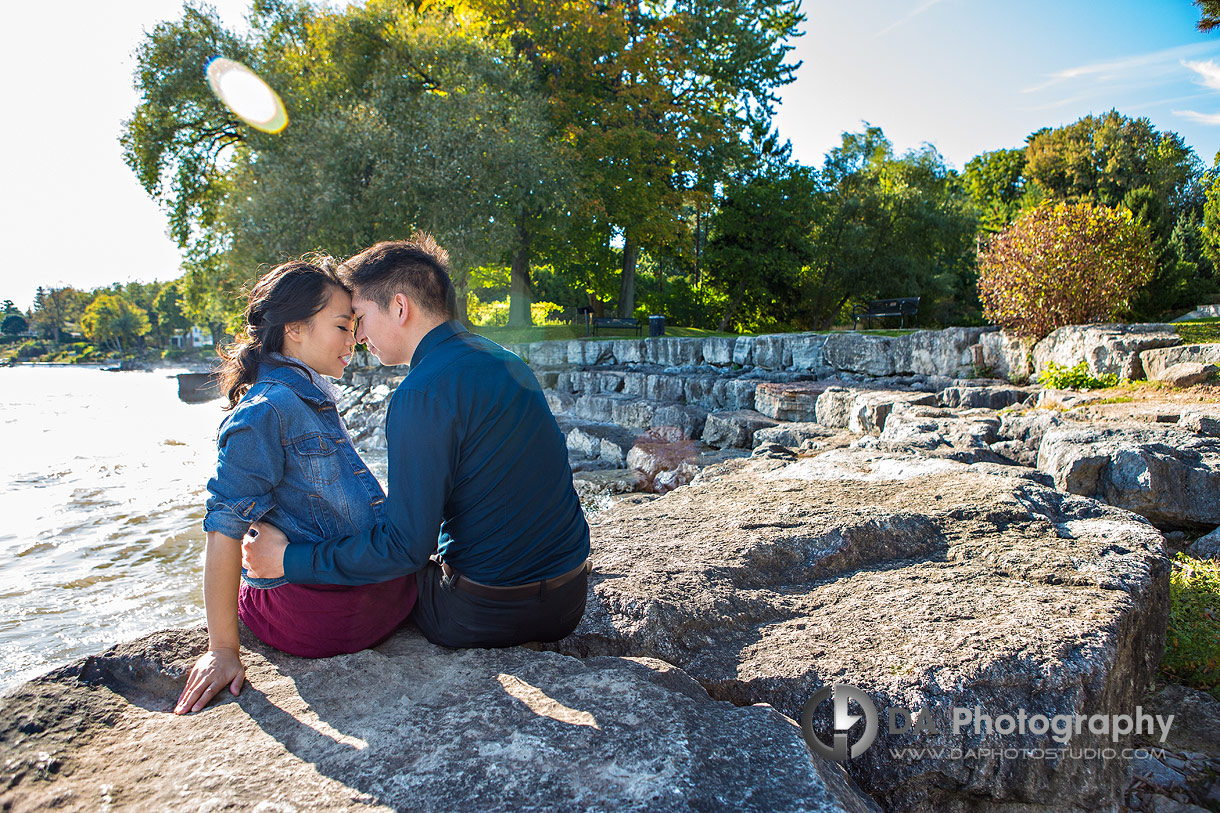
(221, 664)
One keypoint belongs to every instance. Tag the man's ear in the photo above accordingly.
(402, 304)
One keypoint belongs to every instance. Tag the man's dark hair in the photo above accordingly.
(417, 267)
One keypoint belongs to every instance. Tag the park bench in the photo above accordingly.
(881, 308)
(611, 323)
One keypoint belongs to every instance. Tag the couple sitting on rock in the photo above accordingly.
(481, 533)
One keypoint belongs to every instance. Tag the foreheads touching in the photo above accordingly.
(417, 268)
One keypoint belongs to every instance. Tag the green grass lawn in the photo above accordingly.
(1199, 331)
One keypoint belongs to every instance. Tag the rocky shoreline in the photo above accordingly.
(779, 514)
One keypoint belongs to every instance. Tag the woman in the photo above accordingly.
(285, 457)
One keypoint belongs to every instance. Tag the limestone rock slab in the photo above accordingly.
(1108, 349)
(924, 582)
(1157, 360)
(1169, 475)
(407, 725)
(734, 429)
(794, 401)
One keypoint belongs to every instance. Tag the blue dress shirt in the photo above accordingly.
(478, 471)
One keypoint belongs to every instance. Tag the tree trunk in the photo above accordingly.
(519, 298)
(626, 294)
(599, 307)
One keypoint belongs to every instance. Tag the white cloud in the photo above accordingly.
(1201, 118)
(1209, 72)
(1114, 69)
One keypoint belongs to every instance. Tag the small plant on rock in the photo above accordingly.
(1063, 264)
(1060, 377)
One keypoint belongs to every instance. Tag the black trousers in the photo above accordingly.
(454, 618)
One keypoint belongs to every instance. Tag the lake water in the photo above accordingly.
(101, 511)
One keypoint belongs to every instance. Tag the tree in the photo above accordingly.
(651, 98)
(114, 321)
(996, 183)
(1102, 158)
(14, 324)
(760, 243)
(8, 308)
(168, 309)
(402, 119)
(1209, 14)
(54, 308)
(1064, 264)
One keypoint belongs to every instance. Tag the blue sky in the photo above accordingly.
(975, 75)
(964, 75)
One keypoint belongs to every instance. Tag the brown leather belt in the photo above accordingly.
(512, 591)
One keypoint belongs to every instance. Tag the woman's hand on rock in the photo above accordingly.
(214, 669)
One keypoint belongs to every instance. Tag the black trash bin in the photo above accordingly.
(656, 325)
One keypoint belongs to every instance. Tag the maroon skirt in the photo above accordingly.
(320, 620)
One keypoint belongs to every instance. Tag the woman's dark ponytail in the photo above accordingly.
(290, 292)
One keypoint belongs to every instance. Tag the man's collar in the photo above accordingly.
(434, 337)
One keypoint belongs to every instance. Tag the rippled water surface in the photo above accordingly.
(101, 511)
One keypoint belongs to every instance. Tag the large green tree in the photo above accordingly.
(996, 183)
(401, 119)
(112, 320)
(652, 99)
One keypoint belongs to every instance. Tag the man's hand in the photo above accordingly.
(262, 551)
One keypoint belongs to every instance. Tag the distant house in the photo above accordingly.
(195, 337)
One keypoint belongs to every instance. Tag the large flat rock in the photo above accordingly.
(1157, 360)
(1167, 474)
(924, 582)
(405, 726)
(1106, 349)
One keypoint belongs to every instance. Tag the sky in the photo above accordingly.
(963, 75)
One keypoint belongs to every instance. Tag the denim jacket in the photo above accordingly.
(285, 458)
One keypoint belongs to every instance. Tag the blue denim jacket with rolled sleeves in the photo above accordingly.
(284, 458)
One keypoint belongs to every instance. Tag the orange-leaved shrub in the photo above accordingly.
(1063, 264)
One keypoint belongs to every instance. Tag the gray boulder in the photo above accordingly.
(1206, 547)
(1157, 360)
(605, 444)
(924, 583)
(1200, 423)
(1161, 472)
(794, 401)
(407, 725)
(986, 397)
(863, 410)
(734, 429)
(1187, 373)
(964, 436)
(1107, 349)
(1020, 434)
(791, 435)
(1007, 356)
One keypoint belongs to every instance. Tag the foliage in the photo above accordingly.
(113, 320)
(651, 99)
(761, 242)
(1192, 648)
(8, 308)
(1063, 264)
(30, 349)
(1209, 14)
(54, 308)
(1102, 158)
(996, 183)
(1060, 377)
(402, 119)
(13, 324)
(495, 314)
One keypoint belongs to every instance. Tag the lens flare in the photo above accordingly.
(250, 98)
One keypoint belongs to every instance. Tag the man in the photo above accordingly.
(480, 503)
